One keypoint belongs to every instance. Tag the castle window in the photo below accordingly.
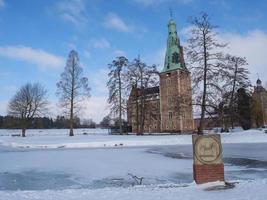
(168, 81)
(169, 101)
(170, 115)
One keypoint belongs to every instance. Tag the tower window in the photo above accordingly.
(175, 58)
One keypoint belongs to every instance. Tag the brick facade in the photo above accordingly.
(168, 108)
(152, 110)
(208, 173)
(176, 101)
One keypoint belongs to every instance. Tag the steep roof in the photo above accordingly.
(147, 91)
(152, 90)
(174, 52)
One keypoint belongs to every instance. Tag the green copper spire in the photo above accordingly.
(174, 53)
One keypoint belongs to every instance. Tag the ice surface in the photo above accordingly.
(51, 165)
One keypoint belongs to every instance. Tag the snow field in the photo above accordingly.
(98, 138)
(245, 190)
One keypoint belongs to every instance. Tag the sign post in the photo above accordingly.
(208, 164)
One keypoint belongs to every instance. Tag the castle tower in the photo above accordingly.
(175, 87)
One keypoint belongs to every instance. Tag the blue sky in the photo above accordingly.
(37, 35)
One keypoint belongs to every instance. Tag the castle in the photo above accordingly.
(169, 105)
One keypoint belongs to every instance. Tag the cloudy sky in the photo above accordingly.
(36, 37)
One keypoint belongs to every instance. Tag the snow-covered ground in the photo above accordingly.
(48, 164)
(99, 138)
(246, 190)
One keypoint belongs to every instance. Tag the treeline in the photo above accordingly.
(11, 122)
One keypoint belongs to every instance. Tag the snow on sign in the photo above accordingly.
(208, 165)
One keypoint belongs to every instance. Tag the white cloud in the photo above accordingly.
(2, 3)
(118, 52)
(95, 108)
(158, 2)
(98, 81)
(113, 21)
(102, 43)
(72, 11)
(37, 57)
(3, 107)
(253, 46)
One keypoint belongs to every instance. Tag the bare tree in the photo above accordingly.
(236, 75)
(29, 102)
(116, 88)
(205, 59)
(141, 76)
(72, 87)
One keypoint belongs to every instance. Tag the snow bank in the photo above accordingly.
(54, 132)
(245, 190)
(55, 139)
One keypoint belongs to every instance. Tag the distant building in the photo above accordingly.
(168, 106)
(259, 108)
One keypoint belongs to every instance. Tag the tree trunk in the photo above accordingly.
(142, 115)
(24, 126)
(203, 104)
(142, 102)
(71, 119)
(120, 104)
(23, 132)
(232, 98)
(226, 125)
(137, 111)
(72, 101)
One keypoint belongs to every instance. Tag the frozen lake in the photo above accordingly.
(57, 169)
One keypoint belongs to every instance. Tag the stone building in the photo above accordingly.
(168, 106)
